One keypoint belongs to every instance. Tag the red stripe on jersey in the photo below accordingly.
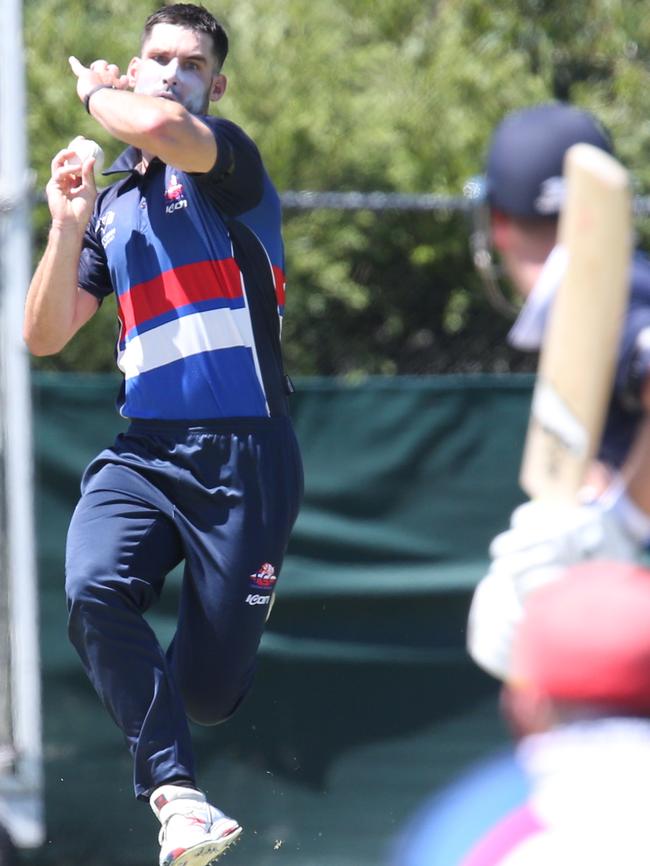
(279, 281)
(176, 288)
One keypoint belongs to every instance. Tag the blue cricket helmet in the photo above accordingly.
(526, 155)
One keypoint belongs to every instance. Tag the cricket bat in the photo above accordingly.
(579, 352)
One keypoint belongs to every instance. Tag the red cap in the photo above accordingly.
(586, 638)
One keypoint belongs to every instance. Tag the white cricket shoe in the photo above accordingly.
(193, 833)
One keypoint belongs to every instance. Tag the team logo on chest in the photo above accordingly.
(174, 195)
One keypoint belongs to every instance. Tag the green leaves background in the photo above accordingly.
(390, 95)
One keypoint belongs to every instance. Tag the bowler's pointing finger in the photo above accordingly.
(77, 67)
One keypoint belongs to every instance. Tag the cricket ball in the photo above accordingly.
(85, 148)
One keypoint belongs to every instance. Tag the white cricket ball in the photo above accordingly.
(84, 148)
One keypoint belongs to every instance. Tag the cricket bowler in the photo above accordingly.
(188, 241)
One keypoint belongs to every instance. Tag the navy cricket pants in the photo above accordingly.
(223, 497)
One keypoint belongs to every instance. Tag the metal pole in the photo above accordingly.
(15, 267)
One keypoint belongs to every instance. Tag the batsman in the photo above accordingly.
(208, 473)
(524, 189)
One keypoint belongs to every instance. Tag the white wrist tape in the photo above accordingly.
(636, 522)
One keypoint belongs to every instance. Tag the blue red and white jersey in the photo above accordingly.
(196, 262)
(575, 794)
(453, 821)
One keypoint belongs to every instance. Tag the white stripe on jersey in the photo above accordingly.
(189, 335)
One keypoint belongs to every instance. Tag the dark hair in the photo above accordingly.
(192, 17)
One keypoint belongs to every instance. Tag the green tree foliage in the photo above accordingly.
(391, 95)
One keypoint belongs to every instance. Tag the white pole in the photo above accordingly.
(15, 258)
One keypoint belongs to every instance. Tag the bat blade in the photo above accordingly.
(578, 357)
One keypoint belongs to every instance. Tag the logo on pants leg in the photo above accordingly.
(264, 578)
(263, 581)
(254, 599)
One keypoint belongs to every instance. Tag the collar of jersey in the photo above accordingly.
(126, 161)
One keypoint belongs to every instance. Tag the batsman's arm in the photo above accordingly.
(628, 496)
(636, 470)
(161, 127)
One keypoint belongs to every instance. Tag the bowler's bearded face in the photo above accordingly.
(176, 64)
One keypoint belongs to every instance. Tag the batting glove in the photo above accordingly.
(542, 541)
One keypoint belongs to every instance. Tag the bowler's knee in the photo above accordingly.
(84, 601)
(214, 707)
